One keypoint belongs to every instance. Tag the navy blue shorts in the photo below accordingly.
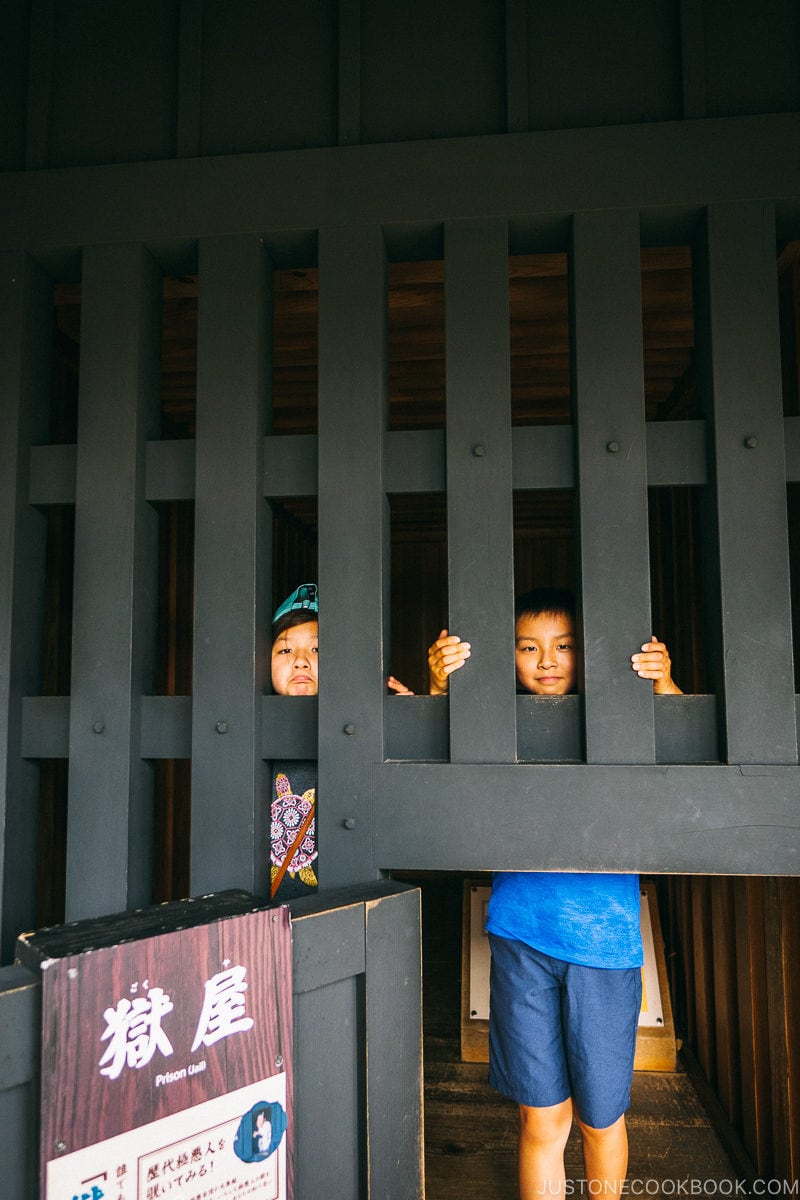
(558, 1030)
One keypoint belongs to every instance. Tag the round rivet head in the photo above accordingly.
(478, 451)
(349, 822)
(612, 447)
(751, 442)
(99, 726)
(349, 729)
(222, 726)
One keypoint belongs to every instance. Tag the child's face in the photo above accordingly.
(295, 661)
(545, 654)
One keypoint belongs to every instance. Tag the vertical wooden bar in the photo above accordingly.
(20, 1056)
(329, 1070)
(353, 541)
(703, 976)
(726, 1015)
(778, 1027)
(394, 1046)
(232, 549)
(41, 48)
(329, 1067)
(790, 912)
(693, 59)
(479, 492)
(752, 1028)
(605, 285)
(516, 66)
(686, 933)
(109, 835)
(190, 79)
(26, 298)
(349, 72)
(738, 324)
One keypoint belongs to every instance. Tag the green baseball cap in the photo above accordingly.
(304, 597)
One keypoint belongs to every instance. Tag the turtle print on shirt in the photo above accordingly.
(289, 808)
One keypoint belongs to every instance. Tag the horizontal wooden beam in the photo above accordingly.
(542, 456)
(708, 819)
(416, 728)
(686, 164)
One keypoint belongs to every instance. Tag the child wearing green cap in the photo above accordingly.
(293, 827)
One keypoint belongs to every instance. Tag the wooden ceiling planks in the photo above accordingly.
(538, 337)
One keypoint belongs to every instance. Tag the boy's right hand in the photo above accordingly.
(653, 662)
(447, 654)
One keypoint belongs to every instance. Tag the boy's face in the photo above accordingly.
(545, 654)
(295, 661)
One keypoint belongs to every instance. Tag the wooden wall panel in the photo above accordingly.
(725, 998)
(232, 556)
(25, 298)
(186, 77)
(703, 976)
(790, 919)
(742, 989)
(113, 86)
(756, 1101)
(113, 628)
(776, 1024)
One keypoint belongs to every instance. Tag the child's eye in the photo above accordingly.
(529, 649)
(565, 646)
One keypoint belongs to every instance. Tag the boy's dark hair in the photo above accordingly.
(298, 616)
(544, 600)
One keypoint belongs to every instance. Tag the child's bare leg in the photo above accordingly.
(605, 1158)
(543, 1134)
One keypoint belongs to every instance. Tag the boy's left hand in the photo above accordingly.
(653, 662)
(399, 689)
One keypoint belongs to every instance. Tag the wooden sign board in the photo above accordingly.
(166, 1065)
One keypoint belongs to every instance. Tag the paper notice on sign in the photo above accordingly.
(230, 1148)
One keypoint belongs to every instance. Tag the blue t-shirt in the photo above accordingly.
(591, 919)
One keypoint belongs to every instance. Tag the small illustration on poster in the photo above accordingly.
(260, 1132)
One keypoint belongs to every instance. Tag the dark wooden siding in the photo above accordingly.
(85, 85)
(225, 140)
(733, 948)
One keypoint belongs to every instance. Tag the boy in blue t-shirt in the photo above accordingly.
(566, 951)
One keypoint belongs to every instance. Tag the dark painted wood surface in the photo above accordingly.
(605, 283)
(25, 385)
(113, 630)
(231, 551)
(479, 500)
